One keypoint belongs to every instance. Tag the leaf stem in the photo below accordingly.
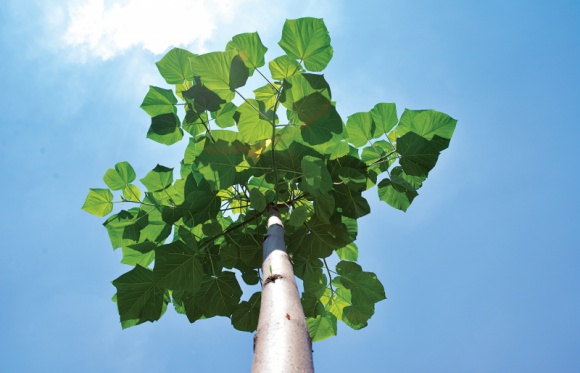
(329, 276)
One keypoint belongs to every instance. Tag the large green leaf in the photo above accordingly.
(384, 117)
(134, 257)
(203, 98)
(252, 122)
(323, 129)
(399, 191)
(360, 128)
(175, 67)
(98, 202)
(138, 297)
(159, 101)
(320, 240)
(351, 202)
(165, 129)
(426, 123)
(250, 49)
(159, 178)
(307, 39)
(225, 116)
(315, 177)
(283, 67)
(418, 155)
(364, 286)
(322, 326)
(177, 267)
(267, 94)
(299, 86)
(215, 72)
(220, 294)
(245, 316)
(217, 162)
(120, 177)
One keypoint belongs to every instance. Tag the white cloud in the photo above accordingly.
(104, 29)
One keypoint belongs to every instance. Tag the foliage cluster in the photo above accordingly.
(192, 238)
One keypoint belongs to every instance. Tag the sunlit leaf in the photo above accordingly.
(159, 101)
(307, 39)
(426, 123)
(175, 66)
(283, 67)
(159, 178)
(322, 327)
(250, 49)
(165, 129)
(98, 202)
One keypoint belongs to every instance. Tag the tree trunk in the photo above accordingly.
(282, 343)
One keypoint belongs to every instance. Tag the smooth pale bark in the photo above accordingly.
(282, 343)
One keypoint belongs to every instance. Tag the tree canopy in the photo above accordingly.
(191, 239)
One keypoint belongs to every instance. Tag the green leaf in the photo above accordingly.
(120, 177)
(418, 155)
(159, 101)
(385, 118)
(349, 252)
(299, 86)
(360, 128)
(220, 294)
(397, 192)
(283, 67)
(268, 95)
(165, 129)
(323, 129)
(98, 202)
(217, 162)
(245, 316)
(307, 39)
(257, 200)
(224, 117)
(427, 124)
(322, 326)
(252, 124)
(324, 207)
(364, 286)
(175, 66)
(159, 178)
(320, 240)
(238, 73)
(132, 193)
(352, 178)
(138, 297)
(177, 267)
(194, 122)
(214, 70)
(379, 156)
(352, 203)
(315, 177)
(299, 215)
(250, 49)
(203, 98)
(134, 257)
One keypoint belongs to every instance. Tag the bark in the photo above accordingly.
(282, 343)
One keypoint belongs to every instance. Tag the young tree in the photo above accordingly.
(280, 194)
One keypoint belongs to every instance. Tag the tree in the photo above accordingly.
(269, 182)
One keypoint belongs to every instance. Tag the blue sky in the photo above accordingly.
(481, 274)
